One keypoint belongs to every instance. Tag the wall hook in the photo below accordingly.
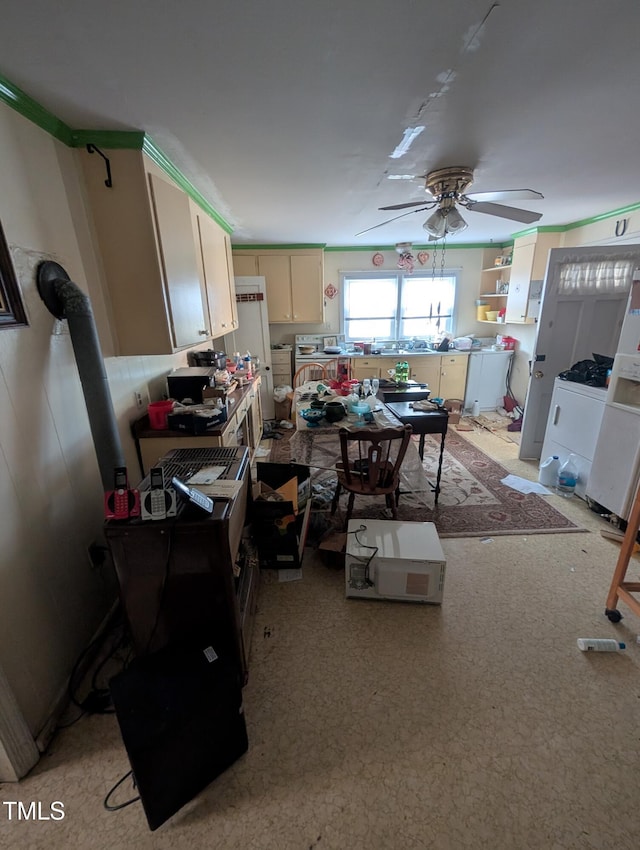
(621, 230)
(108, 182)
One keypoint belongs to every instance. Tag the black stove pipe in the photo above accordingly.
(65, 300)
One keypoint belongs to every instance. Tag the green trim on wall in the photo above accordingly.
(550, 229)
(430, 247)
(156, 155)
(113, 139)
(240, 246)
(30, 109)
(603, 216)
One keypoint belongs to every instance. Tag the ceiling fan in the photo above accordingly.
(448, 187)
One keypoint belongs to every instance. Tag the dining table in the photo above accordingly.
(317, 444)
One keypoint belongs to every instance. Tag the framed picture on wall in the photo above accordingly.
(12, 312)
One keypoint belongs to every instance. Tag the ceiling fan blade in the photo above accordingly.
(390, 220)
(404, 206)
(513, 213)
(506, 195)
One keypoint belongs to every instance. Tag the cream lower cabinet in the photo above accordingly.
(445, 374)
(426, 370)
(144, 233)
(453, 375)
(369, 367)
(216, 272)
(294, 282)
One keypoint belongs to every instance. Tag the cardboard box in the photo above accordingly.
(454, 406)
(282, 409)
(280, 513)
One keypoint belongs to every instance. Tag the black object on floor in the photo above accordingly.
(182, 723)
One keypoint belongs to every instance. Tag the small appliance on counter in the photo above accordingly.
(190, 382)
(218, 359)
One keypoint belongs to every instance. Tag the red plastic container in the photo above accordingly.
(158, 412)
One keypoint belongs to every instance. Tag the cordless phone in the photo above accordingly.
(122, 502)
(158, 502)
(194, 497)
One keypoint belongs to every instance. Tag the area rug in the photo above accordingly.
(472, 502)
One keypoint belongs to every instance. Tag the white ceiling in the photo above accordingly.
(284, 114)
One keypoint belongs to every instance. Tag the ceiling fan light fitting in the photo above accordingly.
(454, 223)
(436, 224)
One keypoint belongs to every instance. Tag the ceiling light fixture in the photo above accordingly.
(410, 135)
(444, 220)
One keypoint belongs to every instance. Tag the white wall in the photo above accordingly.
(466, 261)
(51, 600)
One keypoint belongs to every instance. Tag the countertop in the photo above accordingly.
(421, 352)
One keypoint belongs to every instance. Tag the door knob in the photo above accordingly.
(538, 374)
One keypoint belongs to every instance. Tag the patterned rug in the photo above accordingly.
(472, 502)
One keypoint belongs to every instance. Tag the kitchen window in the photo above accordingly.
(392, 306)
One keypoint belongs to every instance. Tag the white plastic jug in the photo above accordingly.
(548, 474)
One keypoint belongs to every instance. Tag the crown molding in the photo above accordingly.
(31, 109)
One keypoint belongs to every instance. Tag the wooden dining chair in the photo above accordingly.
(309, 372)
(373, 466)
(338, 369)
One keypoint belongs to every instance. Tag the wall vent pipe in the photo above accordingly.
(65, 300)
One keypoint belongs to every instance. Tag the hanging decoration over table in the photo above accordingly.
(423, 257)
(330, 291)
(377, 259)
(406, 260)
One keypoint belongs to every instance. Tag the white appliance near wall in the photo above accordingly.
(573, 426)
(487, 378)
(253, 334)
(615, 471)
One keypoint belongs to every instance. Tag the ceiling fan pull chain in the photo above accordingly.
(442, 253)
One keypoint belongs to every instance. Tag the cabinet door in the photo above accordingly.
(367, 367)
(216, 275)
(426, 370)
(245, 265)
(453, 375)
(306, 289)
(518, 298)
(232, 282)
(277, 272)
(179, 260)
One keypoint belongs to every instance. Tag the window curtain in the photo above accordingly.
(600, 275)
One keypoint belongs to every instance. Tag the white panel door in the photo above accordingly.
(571, 327)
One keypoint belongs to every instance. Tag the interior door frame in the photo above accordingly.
(558, 256)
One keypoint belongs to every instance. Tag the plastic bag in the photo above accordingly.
(280, 393)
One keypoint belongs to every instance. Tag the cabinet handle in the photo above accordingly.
(295, 315)
(287, 316)
(204, 332)
(224, 325)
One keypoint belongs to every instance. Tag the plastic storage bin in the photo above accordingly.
(158, 412)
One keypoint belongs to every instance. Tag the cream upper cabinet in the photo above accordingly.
(216, 273)
(277, 272)
(145, 238)
(307, 297)
(529, 264)
(245, 265)
(294, 280)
